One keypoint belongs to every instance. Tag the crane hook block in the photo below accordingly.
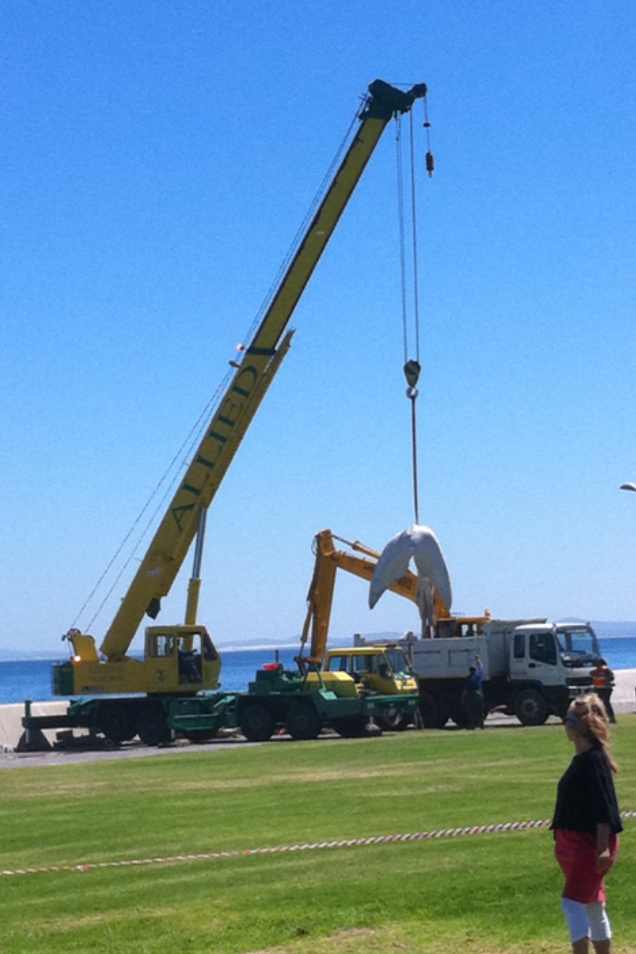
(430, 163)
(412, 370)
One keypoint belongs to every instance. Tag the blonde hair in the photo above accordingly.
(592, 723)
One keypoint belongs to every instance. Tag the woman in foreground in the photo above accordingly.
(586, 825)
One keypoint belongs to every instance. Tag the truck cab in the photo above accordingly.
(549, 665)
(531, 668)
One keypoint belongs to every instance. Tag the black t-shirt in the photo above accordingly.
(586, 795)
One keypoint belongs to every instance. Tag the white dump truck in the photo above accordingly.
(531, 668)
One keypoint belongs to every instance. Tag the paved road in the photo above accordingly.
(623, 699)
(135, 750)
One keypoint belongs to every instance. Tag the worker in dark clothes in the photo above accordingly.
(603, 682)
(473, 696)
(586, 825)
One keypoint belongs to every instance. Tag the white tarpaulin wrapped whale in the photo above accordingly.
(420, 544)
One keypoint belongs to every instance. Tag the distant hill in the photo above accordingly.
(609, 628)
(604, 628)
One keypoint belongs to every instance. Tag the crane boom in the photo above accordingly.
(262, 356)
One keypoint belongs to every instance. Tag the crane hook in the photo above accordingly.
(412, 370)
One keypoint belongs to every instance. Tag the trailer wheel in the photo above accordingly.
(256, 723)
(353, 728)
(393, 722)
(530, 707)
(200, 735)
(152, 728)
(116, 722)
(303, 722)
(433, 709)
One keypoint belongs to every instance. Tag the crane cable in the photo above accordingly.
(412, 366)
(178, 463)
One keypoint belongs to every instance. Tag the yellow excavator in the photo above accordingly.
(374, 667)
(180, 659)
(330, 559)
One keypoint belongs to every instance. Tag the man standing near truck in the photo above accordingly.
(603, 682)
(473, 696)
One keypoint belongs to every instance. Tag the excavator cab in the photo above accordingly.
(375, 669)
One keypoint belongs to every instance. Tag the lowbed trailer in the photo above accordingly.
(300, 704)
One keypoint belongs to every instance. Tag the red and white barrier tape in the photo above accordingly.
(290, 849)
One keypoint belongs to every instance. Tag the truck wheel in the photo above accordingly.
(530, 707)
(256, 723)
(152, 728)
(434, 710)
(458, 715)
(353, 728)
(116, 722)
(303, 722)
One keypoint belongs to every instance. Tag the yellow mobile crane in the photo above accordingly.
(180, 660)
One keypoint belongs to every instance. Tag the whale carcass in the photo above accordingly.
(419, 544)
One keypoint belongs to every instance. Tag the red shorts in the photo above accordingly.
(576, 853)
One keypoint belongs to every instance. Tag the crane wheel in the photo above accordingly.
(256, 722)
(303, 722)
(152, 728)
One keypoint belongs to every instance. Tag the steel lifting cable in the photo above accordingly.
(401, 229)
(412, 366)
(187, 447)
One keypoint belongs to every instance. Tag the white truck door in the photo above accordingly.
(534, 655)
(518, 663)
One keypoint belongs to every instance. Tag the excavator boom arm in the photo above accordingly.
(320, 596)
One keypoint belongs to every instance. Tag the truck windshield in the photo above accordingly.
(578, 645)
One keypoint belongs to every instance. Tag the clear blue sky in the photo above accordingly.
(158, 159)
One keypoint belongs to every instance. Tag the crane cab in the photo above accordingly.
(181, 659)
(177, 659)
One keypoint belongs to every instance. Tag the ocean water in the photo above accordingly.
(31, 679)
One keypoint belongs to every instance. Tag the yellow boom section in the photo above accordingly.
(172, 540)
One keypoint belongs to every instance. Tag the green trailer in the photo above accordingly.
(277, 701)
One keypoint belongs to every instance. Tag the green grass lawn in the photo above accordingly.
(488, 894)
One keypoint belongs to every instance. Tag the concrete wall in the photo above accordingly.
(11, 720)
